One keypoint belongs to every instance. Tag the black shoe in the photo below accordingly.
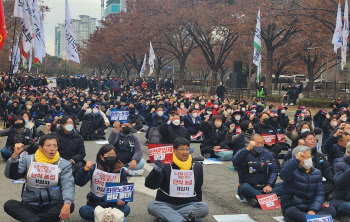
(148, 161)
(253, 202)
(329, 197)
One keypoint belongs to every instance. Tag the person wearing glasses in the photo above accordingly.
(179, 195)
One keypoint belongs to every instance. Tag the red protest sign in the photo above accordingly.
(161, 152)
(281, 138)
(238, 130)
(200, 133)
(188, 95)
(268, 138)
(268, 201)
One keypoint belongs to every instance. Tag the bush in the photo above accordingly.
(319, 103)
(274, 98)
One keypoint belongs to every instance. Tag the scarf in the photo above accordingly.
(183, 165)
(41, 158)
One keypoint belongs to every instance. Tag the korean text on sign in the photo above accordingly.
(119, 191)
(118, 115)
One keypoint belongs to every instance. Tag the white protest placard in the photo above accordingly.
(181, 183)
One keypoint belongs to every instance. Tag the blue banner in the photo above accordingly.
(120, 115)
(319, 218)
(119, 191)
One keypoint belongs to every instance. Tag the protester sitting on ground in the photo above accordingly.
(239, 141)
(257, 171)
(70, 143)
(134, 119)
(319, 161)
(108, 168)
(128, 148)
(320, 117)
(214, 136)
(192, 121)
(341, 199)
(58, 111)
(295, 136)
(337, 105)
(17, 134)
(205, 112)
(155, 118)
(93, 125)
(73, 110)
(171, 205)
(28, 123)
(328, 126)
(236, 119)
(48, 198)
(335, 145)
(172, 129)
(283, 117)
(303, 192)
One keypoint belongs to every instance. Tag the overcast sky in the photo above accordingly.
(56, 15)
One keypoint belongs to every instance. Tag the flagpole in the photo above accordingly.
(335, 78)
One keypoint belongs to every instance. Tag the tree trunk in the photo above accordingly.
(214, 75)
(180, 83)
(269, 71)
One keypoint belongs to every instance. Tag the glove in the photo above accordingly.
(158, 165)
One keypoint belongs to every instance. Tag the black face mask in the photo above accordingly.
(131, 109)
(126, 130)
(258, 149)
(110, 161)
(58, 107)
(250, 131)
(266, 121)
(307, 119)
(19, 125)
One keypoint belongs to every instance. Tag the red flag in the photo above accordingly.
(3, 32)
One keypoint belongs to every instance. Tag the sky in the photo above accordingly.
(56, 15)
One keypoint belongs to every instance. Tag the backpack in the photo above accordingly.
(154, 136)
(87, 130)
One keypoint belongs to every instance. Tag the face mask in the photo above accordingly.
(258, 149)
(344, 119)
(19, 125)
(58, 107)
(126, 130)
(196, 107)
(193, 101)
(304, 130)
(307, 164)
(182, 107)
(69, 127)
(209, 112)
(28, 106)
(110, 161)
(283, 111)
(160, 113)
(176, 122)
(250, 131)
(259, 104)
(266, 121)
(243, 109)
(203, 103)
(131, 109)
(194, 115)
(95, 111)
(218, 124)
(23, 98)
(26, 121)
(334, 124)
(229, 111)
(216, 106)
(238, 118)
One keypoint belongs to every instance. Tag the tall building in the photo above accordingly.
(82, 27)
(113, 7)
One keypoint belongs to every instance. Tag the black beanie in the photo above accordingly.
(244, 125)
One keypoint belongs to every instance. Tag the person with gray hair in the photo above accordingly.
(303, 191)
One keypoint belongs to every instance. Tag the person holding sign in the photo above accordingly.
(303, 191)
(108, 168)
(257, 171)
(341, 199)
(128, 148)
(179, 195)
(48, 193)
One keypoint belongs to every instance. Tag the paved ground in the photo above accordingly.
(219, 190)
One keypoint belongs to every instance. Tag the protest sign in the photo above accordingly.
(181, 183)
(269, 138)
(161, 152)
(268, 201)
(238, 130)
(199, 134)
(319, 218)
(119, 191)
(188, 95)
(281, 138)
(120, 115)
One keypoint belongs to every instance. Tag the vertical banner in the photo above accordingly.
(257, 48)
(3, 32)
(71, 47)
(152, 57)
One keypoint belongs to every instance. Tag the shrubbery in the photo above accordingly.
(320, 103)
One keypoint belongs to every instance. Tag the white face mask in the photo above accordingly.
(229, 111)
(69, 127)
(334, 124)
(160, 113)
(176, 122)
(218, 124)
(238, 118)
(95, 111)
(196, 107)
(283, 111)
(216, 106)
(28, 106)
(259, 104)
(193, 101)
(307, 164)
(209, 112)
(194, 115)
(304, 130)
(182, 106)
(344, 119)
(203, 103)
(243, 109)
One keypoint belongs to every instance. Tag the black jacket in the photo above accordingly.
(171, 132)
(213, 137)
(161, 181)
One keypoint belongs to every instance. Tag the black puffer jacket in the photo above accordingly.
(70, 146)
(213, 137)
